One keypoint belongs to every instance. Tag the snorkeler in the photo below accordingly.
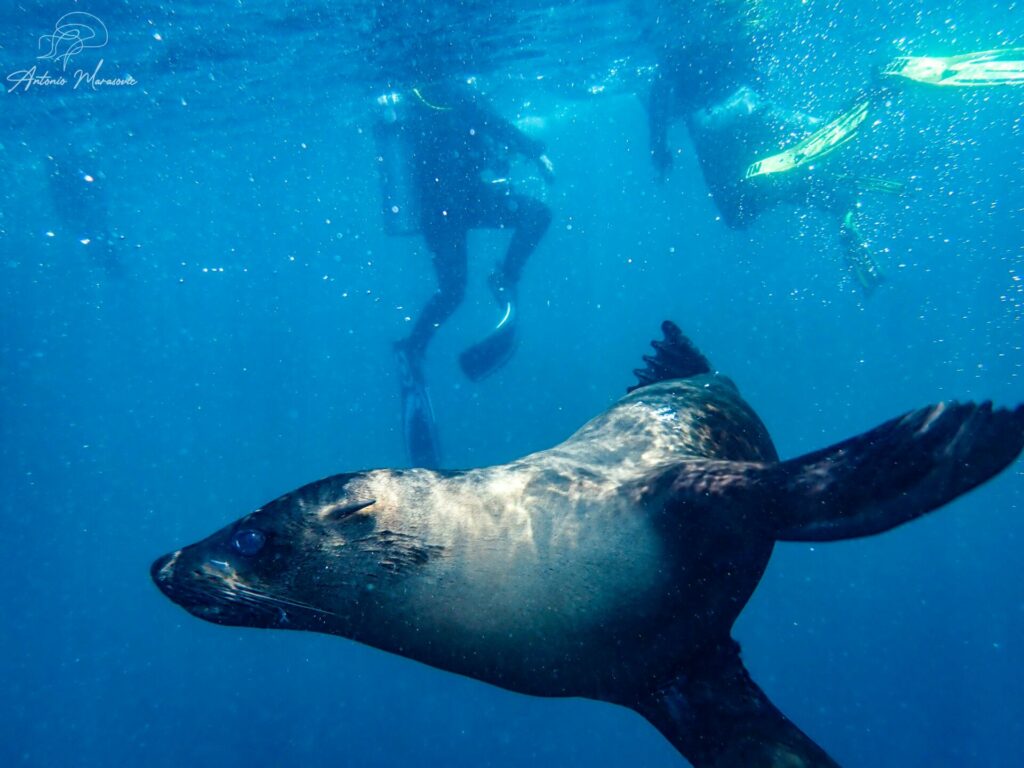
(78, 194)
(735, 128)
(732, 124)
(458, 156)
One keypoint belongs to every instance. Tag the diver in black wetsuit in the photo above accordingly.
(710, 85)
(708, 78)
(461, 152)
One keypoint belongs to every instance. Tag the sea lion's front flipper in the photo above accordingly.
(717, 717)
(891, 474)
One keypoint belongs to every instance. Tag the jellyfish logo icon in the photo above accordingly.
(72, 34)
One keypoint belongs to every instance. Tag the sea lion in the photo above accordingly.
(611, 566)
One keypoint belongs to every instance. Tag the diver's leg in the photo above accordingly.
(450, 265)
(530, 219)
(829, 196)
(857, 255)
(449, 248)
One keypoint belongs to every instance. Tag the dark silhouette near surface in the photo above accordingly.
(459, 154)
(79, 198)
(712, 86)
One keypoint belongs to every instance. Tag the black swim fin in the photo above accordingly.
(717, 717)
(418, 426)
(420, 431)
(485, 357)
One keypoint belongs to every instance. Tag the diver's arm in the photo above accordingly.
(518, 142)
(546, 168)
(504, 131)
(533, 149)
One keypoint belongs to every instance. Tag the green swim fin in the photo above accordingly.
(820, 143)
(983, 68)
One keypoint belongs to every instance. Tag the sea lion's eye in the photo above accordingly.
(248, 541)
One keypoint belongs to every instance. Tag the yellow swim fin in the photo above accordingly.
(820, 143)
(1003, 66)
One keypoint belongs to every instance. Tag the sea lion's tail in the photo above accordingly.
(717, 717)
(893, 473)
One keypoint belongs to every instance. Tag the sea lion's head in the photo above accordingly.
(310, 559)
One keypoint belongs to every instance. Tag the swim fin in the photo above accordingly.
(485, 357)
(983, 68)
(418, 424)
(823, 141)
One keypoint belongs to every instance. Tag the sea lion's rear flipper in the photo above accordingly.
(675, 357)
(717, 717)
(891, 474)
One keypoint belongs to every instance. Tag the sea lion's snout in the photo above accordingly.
(196, 583)
(185, 588)
(162, 570)
(311, 559)
(239, 576)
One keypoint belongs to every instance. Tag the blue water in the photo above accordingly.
(244, 349)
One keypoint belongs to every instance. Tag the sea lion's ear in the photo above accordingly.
(341, 511)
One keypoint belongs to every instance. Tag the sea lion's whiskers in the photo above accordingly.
(233, 597)
(270, 599)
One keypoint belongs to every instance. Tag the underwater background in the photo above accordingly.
(235, 343)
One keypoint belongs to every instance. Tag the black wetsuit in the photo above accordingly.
(730, 123)
(454, 142)
(733, 125)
